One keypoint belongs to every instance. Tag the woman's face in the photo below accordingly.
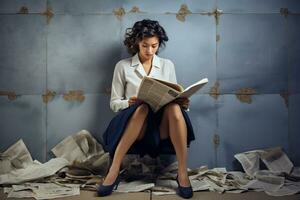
(148, 47)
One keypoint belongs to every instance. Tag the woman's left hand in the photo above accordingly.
(183, 102)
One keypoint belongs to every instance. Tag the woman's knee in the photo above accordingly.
(142, 110)
(174, 111)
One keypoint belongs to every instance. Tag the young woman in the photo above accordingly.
(136, 128)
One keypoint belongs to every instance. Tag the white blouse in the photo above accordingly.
(128, 75)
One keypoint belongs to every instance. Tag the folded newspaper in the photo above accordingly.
(158, 93)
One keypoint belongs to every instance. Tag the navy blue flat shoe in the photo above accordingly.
(105, 190)
(184, 192)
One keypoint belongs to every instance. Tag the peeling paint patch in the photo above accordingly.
(119, 12)
(218, 38)
(284, 11)
(244, 95)
(23, 10)
(214, 91)
(135, 9)
(74, 95)
(10, 95)
(217, 13)
(49, 14)
(49, 96)
(285, 96)
(183, 12)
(216, 140)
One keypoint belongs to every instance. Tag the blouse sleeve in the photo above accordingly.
(117, 99)
(172, 77)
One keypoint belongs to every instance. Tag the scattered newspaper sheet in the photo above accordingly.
(134, 186)
(83, 151)
(249, 161)
(15, 157)
(43, 191)
(276, 160)
(34, 171)
(278, 180)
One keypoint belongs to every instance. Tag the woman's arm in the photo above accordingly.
(172, 77)
(117, 99)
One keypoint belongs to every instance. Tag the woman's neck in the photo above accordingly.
(145, 61)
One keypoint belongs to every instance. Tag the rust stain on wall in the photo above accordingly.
(119, 12)
(214, 91)
(49, 96)
(23, 10)
(183, 12)
(10, 95)
(284, 11)
(74, 95)
(135, 9)
(49, 14)
(285, 96)
(216, 140)
(216, 13)
(244, 95)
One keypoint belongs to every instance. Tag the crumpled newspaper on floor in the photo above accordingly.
(279, 180)
(146, 167)
(80, 160)
(15, 157)
(274, 159)
(85, 158)
(17, 165)
(281, 177)
(89, 162)
(83, 152)
(42, 191)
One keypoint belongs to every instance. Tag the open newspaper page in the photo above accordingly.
(276, 160)
(156, 93)
(189, 91)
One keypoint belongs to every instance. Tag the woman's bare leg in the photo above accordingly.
(134, 130)
(173, 125)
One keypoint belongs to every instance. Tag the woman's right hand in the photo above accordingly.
(133, 100)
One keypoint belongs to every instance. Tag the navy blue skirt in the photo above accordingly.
(151, 143)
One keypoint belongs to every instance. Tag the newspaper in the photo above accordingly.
(285, 190)
(276, 160)
(265, 181)
(259, 186)
(294, 175)
(43, 190)
(269, 177)
(19, 167)
(272, 181)
(15, 157)
(275, 182)
(159, 191)
(134, 186)
(84, 152)
(82, 146)
(34, 171)
(239, 177)
(249, 161)
(158, 93)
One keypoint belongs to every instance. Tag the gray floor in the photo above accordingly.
(88, 195)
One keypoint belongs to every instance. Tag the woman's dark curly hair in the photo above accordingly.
(142, 29)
